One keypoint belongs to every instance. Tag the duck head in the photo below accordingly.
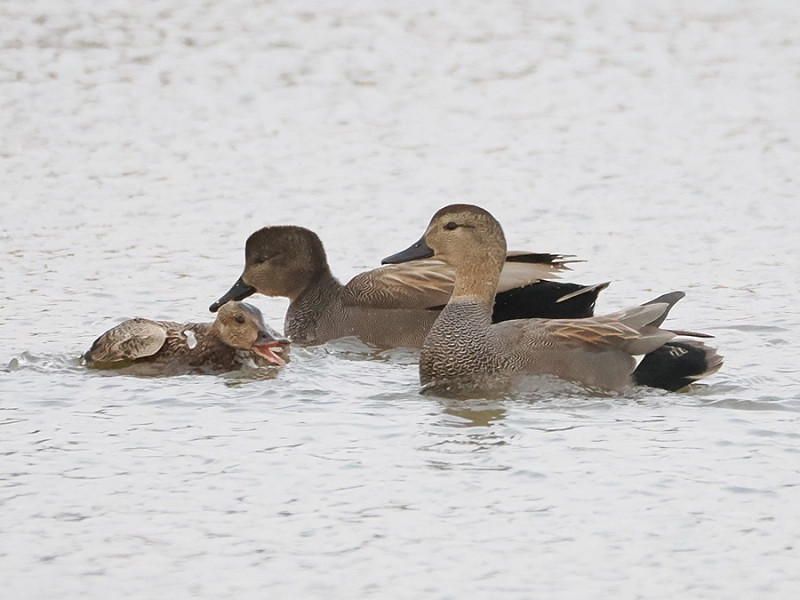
(468, 239)
(242, 326)
(278, 261)
(461, 235)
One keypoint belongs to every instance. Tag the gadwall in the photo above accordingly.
(465, 351)
(394, 305)
(142, 346)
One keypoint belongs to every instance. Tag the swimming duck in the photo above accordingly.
(394, 305)
(465, 350)
(146, 347)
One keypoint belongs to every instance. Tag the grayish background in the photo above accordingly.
(141, 142)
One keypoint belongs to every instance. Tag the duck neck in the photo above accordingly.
(472, 301)
(320, 289)
(302, 318)
(477, 286)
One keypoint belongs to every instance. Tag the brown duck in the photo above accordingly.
(394, 305)
(145, 347)
(465, 351)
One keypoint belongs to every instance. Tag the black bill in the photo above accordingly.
(239, 291)
(416, 250)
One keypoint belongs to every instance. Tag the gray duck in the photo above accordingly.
(464, 350)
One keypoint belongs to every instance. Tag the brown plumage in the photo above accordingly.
(394, 305)
(145, 347)
(464, 350)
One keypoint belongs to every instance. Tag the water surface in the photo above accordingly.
(143, 142)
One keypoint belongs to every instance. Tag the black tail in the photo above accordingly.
(542, 300)
(676, 364)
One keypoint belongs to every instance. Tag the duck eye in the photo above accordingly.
(239, 319)
(451, 225)
(264, 258)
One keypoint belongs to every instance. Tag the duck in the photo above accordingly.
(393, 305)
(465, 351)
(145, 347)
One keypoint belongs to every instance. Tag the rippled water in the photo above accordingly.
(141, 144)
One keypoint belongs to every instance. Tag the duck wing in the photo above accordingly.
(418, 284)
(524, 268)
(129, 340)
(600, 334)
(427, 283)
(545, 299)
(632, 330)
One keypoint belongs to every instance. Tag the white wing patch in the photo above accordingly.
(191, 339)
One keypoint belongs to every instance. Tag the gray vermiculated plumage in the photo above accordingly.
(463, 346)
(458, 345)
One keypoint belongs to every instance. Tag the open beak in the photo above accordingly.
(239, 291)
(416, 250)
(269, 345)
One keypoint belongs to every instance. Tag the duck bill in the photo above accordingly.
(239, 291)
(269, 347)
(418, 249)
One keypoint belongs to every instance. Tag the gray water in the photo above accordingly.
(141, 142)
